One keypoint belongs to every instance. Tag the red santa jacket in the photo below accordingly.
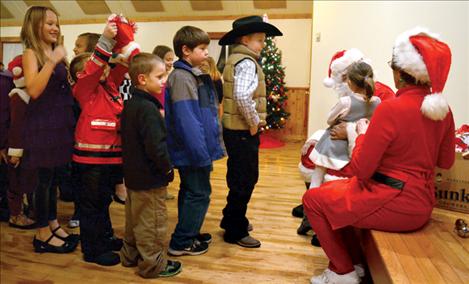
(18, 103)
(97, 138)
(400, 143)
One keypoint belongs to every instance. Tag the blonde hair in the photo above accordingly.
(212, 69)
(31, 31)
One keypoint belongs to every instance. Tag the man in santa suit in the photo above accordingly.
(393, 184)
(336, 80)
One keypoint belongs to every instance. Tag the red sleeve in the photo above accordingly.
(117, 74)
(379, 135)
(446, 153)
(17, 119)
(88, 80)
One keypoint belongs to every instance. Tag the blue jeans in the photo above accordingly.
(193, 201)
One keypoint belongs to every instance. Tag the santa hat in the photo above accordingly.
(125, 44)
(339, 64)
(420, 54)
(16, 68)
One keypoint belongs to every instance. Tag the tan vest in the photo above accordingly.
(232, 117)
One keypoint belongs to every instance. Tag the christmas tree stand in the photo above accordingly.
(270, 141)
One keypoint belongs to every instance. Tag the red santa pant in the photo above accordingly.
(340, 245)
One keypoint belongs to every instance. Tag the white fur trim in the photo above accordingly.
(340, 65)
(129, 48)
(406, 56)
(305, 172)
(328, 82)
(17, 70)
(435, 106)
(15, 152)
(21, 93)
(19, 83)
(329, 177)
(317, 135)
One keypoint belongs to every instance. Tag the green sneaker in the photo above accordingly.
(172, 268)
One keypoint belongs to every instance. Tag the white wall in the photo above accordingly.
(295, 44)
(372, 27)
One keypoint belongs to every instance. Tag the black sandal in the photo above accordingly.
(72, 238)
(40, 246)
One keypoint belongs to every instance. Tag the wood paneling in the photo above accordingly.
(94, 20)
(216, 35)
(45, 3)
(211, 5)
(296, 127)
(434, 254)
(5, 13)
(96, 7)
(147, 6)
(284, 256)
(271, 4)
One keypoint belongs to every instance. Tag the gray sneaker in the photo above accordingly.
(196, 248)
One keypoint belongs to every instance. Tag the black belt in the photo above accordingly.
(392, 182)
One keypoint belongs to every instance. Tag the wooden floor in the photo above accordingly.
(284, 256)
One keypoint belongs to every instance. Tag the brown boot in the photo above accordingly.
(249, 242)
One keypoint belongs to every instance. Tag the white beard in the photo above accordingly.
(342, 89)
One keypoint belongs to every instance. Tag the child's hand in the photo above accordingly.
(362, 126)
(58, 54)
(253, 130)
(15, 161)
(110, 31)
(3, 156)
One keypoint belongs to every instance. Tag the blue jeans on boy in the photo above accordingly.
(193, 201)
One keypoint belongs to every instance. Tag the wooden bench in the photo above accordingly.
(434, 254)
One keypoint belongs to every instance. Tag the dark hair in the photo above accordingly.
(92, 40)
(142, 63)
(161, 50)
(361, 74)
(408, 79)
(78, 64)
(189, 36)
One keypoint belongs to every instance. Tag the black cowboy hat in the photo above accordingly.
(248, 25)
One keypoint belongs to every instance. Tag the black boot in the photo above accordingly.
(304, 227)
(315, 241)
(298, 211)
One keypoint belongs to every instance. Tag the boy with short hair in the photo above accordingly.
(194, 138)
(244, 111)
(147, 172)
(97, 155)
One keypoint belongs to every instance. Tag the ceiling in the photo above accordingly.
(82, 12)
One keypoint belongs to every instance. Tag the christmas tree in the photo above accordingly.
(275, 85)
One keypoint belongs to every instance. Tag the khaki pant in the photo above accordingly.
(146, 223)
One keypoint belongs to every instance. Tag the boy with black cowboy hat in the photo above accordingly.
(244, 112)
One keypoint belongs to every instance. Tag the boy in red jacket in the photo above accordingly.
(98, 149)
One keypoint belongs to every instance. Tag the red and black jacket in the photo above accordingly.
(97, 138)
